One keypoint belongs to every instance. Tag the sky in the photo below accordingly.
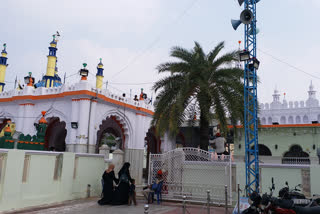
(133, 37)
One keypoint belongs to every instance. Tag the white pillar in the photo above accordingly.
(19, 122)
(84, 108)
(72, 140)
(28, 127)
(92, 133)
(134, 152)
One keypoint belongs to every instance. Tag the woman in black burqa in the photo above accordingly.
(121, 193)
(108, 191)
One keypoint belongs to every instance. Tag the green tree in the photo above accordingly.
(202, 84)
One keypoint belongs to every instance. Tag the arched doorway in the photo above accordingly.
(111, 126)
(55, 138)
(296, 155)
(152, 145)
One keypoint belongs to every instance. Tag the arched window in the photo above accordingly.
(269, 120)
(305, 119)
(283, 120)
(298, 120)
(296, 155)
(290, 120)
(263, 150)
(263, 121)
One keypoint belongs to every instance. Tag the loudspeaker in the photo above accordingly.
(246, 17)
(235, 23)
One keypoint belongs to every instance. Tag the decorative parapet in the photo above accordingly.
(66, 90)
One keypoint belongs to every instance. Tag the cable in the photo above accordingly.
(156, 40)
(288, 64)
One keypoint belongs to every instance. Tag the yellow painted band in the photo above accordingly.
(2, 72)
(51, 65)
(99, 82)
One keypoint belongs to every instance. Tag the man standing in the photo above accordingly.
(219, 143)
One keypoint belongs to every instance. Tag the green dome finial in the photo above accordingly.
(84, 65)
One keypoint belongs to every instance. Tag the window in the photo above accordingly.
(26, 166)
(57, 167)
(296, 155)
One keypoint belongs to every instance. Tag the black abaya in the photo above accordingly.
(108, 192)
(121, 194)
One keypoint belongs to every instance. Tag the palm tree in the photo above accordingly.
(199, 84)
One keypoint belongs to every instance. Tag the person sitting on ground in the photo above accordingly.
(219, 144)
(132, 193)
(149, 190)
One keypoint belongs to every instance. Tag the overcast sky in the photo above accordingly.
(134, 36)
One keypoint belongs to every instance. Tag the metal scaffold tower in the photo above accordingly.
(251, 64)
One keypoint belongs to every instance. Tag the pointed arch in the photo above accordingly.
(305, 119)
(124, 124)
(298, 120)
(269, 120)
(263, 121)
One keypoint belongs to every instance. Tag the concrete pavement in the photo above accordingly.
(90, 206)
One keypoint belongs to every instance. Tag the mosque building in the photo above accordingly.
(303, 112)
(51, 115)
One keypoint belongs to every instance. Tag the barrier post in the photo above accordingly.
(226, 200)
(208, 201)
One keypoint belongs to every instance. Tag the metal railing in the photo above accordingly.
(191, 172)
(296, 160)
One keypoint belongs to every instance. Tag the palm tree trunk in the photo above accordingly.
(204, 132)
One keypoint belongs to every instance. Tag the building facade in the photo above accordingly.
(297, 112)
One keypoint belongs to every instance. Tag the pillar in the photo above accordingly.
(82, 135)
(92, 132)
(20, 122)
(28, 120)
(72, 140)
(134, 153)
(118, 161)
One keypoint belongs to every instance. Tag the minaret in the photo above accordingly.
(312, 92)
(3, 67)
(51, 66)
(276, 96)
(99, 76)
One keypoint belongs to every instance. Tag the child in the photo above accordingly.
(132, 193)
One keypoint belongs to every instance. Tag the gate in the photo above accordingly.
(191, 172)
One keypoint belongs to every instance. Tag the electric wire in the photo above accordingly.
(157, 39)
(288, 64)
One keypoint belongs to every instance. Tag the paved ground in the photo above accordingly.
(90, 206)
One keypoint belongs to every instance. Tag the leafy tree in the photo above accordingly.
(202, 84)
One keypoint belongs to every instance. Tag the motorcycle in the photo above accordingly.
(298, 198)
(286, 204)
(267, 204)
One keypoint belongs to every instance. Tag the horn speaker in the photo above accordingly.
(235, 23)
(246, 17)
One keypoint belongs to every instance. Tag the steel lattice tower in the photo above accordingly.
(250, 103)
